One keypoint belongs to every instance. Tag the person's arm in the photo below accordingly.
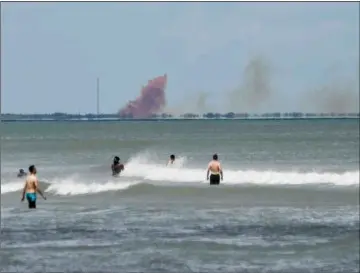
(38, 189)
(113, 169)
(208, 172)
(24, 191)
(221, 171)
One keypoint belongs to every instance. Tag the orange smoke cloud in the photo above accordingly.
(151, 100)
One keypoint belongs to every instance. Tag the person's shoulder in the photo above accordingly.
(32, 177)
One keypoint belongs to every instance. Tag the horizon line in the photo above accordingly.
(185, 113)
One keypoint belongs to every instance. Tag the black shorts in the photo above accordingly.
(214, 179)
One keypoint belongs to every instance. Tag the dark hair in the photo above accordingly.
(116, 158)
(32, 168)
(215, 157)
(172, 156)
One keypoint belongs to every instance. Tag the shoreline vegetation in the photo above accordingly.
(8, 117)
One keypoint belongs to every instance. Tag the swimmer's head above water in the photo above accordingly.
(117, 167)
(172, 159)
(116, 160)
(215, 157)
(21, 173)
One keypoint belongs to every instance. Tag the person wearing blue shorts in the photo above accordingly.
(31, 187)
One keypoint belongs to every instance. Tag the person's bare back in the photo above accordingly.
(31, 183)
(214, 167)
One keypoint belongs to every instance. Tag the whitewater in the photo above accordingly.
(289, 201)
(140, 169)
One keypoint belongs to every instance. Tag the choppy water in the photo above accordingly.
(289, 201)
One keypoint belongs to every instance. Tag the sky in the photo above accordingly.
(52, 53)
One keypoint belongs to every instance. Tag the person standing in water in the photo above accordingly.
(21, 173)
(171, 160)
(31, 187)
(117, 167)
(215, 171)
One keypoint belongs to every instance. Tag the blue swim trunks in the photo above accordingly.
(31, 196)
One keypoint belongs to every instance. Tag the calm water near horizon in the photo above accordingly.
(289, 201)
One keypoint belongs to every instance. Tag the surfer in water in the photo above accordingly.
(171, 160)
(215, 171)
(31, 187)
(21, 173)
(117, 167)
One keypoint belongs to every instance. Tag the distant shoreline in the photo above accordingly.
(24, 120)
(91, 117)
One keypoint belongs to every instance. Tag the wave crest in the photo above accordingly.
(145, 168)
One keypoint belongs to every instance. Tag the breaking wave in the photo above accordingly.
(140, 169)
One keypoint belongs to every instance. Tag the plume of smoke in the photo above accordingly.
(252, 95)
(151, 100)
(339, 95)
(255, 89)
(196, 104)
(201, 102)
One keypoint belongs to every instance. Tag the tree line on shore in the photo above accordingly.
(210, 115)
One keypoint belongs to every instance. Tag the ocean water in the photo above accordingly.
(289, 201)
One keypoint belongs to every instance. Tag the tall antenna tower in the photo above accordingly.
(98, 96)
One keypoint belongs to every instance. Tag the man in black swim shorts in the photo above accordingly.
(215, 171)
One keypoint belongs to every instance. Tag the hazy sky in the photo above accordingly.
(52, 52)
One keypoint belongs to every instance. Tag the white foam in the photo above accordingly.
(11, 187)
(140, 167)
(70, 187)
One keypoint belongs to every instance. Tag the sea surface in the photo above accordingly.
(289, 201)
